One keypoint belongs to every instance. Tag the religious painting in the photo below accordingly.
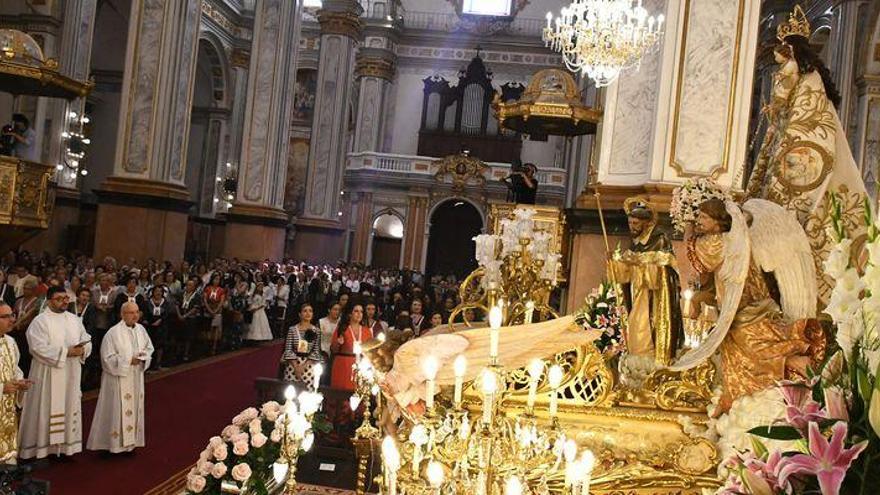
(304, 95)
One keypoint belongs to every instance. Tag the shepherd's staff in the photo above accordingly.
(608, 256)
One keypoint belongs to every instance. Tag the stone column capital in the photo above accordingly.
(240, 58)
(371, 66)
(346, 21)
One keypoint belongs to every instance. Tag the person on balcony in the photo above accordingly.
(24, 138)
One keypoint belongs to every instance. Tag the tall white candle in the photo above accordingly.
(495, 317)
(489, 386)
(555, 378)
(536, 367)
(530, 311)
(460, 367)
(430, 367)
(318, 370)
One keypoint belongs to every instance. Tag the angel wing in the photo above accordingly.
(780, 246)
(517, 346)
(729, 282)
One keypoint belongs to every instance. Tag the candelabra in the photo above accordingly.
(75, 143)
(296, 425)
(518, 269)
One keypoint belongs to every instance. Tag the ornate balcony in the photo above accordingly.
(25, 193)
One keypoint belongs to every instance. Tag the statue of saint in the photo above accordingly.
(760, 341)
(805, 153)
(648, 276)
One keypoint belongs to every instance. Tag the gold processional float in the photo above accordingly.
(553, 423)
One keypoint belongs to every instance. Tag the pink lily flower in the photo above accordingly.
(828, 460)
(835, 403)
(801, 416)
(794, 393)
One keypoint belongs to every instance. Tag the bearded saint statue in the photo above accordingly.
(805, 153)
(736, 251)
(648, 275)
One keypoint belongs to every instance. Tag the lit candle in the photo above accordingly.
(549, 19)
(536, 367)
(513, 486)
(530, 311)
(434, 472)
(489, 385)
(555, 378)
(495, 316)
(588, 461)
(429, 368)
(418, 436)
(391, 458)
(570, 451)
(688, 295)
(356, 350)
(460, 367)
(318, 370)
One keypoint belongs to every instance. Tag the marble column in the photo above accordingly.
(256, 223)
(842, 59)
(375, 66)
(415, 232)
(143, 207)
(340, 31)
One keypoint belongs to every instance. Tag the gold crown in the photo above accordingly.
(797, 25)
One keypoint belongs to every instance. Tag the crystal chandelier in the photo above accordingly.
(601, 38)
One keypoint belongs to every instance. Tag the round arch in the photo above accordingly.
(451, 225)
(385, 247)
(212, 62)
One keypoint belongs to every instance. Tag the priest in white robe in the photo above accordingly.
(51, 418)
(118, 425)
(11, 377)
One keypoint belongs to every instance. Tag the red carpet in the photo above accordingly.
(183, 410)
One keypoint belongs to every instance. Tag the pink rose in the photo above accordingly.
(219, 470)
(250, 414)
(275, 436)
(258, 440)
(241, 437)
(220, 452)
(240, 448)
(241, 472)
(255, 426)
(270, 406)
(206, 454)
(272, 416)
(195, 483)
(229, 431)
(204, 467)
(239, 420)
(215, 441)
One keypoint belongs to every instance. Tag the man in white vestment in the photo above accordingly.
(11, 377)
(51, 419)
(118, 425)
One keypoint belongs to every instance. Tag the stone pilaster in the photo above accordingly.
(415, 233)
(375, 67)
(143, 207)
(77, 34)
(362, 215)
(257, 213)
(340, 32)
(842, 59)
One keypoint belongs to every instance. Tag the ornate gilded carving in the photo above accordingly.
(24, 193)
(344, 23)
(374, 67)
(23, 70)
(464, 170)
(551, 104)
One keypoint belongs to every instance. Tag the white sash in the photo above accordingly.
(57, 381)
(128, 402)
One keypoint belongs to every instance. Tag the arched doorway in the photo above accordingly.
(453, 225)
(387, 238)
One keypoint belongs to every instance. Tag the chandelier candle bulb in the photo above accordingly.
(489, 386)
(391, 458)
(495, 317)
(460, 366)
(530, 311)
(430, 368)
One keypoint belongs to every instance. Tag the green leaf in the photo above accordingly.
(777, 432)
(864, 384)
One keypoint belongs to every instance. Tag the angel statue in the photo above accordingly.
(805, 153)
(760, 341)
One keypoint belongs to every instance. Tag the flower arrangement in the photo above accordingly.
(686, 200)
(601, 311)
(244, 453)
(834, 417)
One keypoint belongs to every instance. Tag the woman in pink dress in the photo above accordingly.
(349, 332)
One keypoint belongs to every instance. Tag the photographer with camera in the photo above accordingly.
(19, 139)
(521, 183)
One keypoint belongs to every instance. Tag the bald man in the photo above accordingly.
(118, 425)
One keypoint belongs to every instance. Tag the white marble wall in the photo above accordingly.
(157, 90)
(272, 75)
(685, 112)
(372, 109)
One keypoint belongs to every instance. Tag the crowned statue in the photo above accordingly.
(739, 252)
(805, 154)
(648, 276)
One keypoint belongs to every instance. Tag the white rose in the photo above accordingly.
(195, 483)
(219, 470)
(255, 426)
(258, 440)
(241, 472)
(275, 436)
(204, 467)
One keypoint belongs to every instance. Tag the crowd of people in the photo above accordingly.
(70, 323)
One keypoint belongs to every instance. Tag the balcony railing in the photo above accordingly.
(449, 22)
(427, 166)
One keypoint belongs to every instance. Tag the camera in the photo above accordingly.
(7, 140)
